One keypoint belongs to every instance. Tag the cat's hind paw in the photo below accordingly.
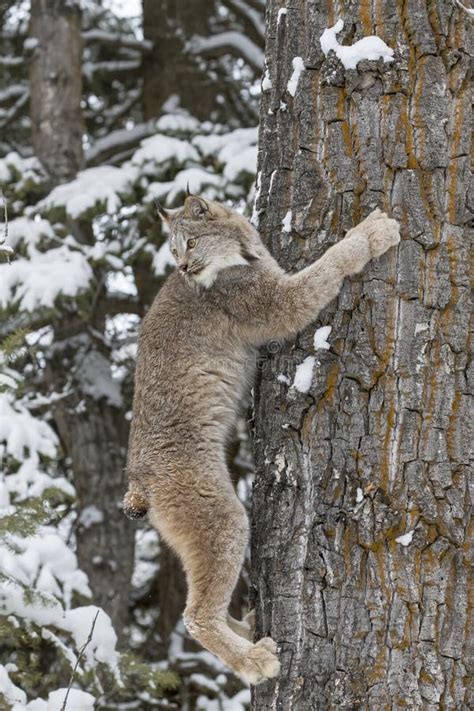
(260, 662)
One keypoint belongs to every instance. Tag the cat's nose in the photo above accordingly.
(183, 267)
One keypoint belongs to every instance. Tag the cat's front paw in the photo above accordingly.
(382, 232)
(259, 663)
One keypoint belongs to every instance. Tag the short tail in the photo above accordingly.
(135, 505)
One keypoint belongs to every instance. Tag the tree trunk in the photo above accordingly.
(91, 419)
(94, 432)
(379, 447)
(56, 87)
(169, 70)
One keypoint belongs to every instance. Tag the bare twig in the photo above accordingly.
(79, 657)
(5, 248)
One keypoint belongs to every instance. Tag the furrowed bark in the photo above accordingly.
(380, 446)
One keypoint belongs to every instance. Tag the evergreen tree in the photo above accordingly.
(87, 256)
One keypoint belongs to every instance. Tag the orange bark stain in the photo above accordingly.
(365, 16)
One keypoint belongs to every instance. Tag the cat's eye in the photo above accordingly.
(191, 243)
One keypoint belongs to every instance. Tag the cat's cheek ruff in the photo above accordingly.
(207, 276)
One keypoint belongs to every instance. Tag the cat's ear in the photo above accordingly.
(249, 252)
(164, 214)
(196, 207)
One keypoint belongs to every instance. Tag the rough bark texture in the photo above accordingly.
(56, 87)
(380, 445)
(91, 418)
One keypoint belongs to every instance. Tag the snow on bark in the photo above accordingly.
(304, 374)
(298, 67)
(371, 48)
(380, 446)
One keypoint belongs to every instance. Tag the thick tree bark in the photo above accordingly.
(379, 447)
(56, 87)
(91, 418)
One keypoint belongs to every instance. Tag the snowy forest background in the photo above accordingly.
(169, 98)
(361, 427)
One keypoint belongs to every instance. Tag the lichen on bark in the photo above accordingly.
(381, 444)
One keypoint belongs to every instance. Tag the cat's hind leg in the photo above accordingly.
(208, 528)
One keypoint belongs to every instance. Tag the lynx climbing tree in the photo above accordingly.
(361, 543)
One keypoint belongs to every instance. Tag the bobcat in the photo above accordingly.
(195, 356)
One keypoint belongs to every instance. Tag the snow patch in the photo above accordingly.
(77, 700)
(266, 81)
(198, 180)
(298, 66)
(304, 374)
(8, 691)
(91, 515)
(371, 47)
(162, 259)
(28, 231)
(161, 149)
(40, 280)
(24, 433)
(406, 539)
(96, 379)
(286, 222)
(320, 338)
(419, 327)
(91, 188)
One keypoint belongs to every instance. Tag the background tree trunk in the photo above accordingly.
(91, 419)
(169, 70)
(56, 87)
(379, 447)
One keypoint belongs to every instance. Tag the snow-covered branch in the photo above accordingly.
(233, 42)
(12, 92)
(6, 117)
(118, 67)
(116, 40)
(115, 113)
(118, 141)
(248, 13)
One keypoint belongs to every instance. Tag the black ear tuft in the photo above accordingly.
(163, 214)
